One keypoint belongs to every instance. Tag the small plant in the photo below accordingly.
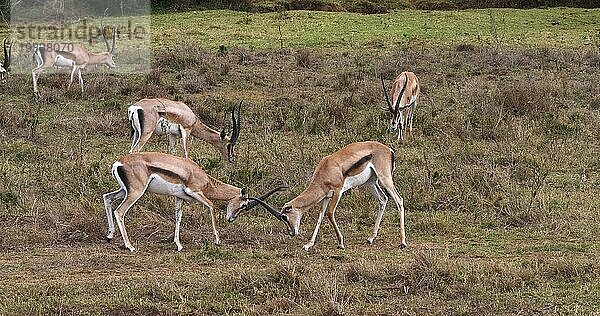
(304, 59)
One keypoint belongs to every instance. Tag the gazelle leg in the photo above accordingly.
(120, 212)
(37, 70)
(178, 213)
(401, 128)
(109, 198)
(382, 199)
(412, 113)
(36, 75)
(407, 118)
(388, 184)
(204, 201)
(185, 136)
(331, 216)
(135, 139)
(80, 80)
(172, 142)
(213, 219)
(143, 137)
(72, 77)
(138, 131)
(319, 220)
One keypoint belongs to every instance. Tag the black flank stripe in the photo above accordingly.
(358, 164)
(123, 176)
(166, 172)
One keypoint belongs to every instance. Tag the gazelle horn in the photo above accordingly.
(272, 210)
(235, 117)
(7, 54)
(387, 98)
(263, 197)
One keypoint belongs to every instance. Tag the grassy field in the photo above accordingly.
(500, 177)
(563, 27)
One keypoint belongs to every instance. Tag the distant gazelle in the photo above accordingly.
(405, 91)
(176, 119)
(169, 175)
(5, 65)
(370, 163)
(73, 56)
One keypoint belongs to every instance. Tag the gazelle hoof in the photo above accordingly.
(179, 247)
(341, 246)
(370, 241)
(403, 245)
(306, 247)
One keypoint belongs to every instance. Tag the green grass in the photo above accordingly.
(500, 177)
(556, 27)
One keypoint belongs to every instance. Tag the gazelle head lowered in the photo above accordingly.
(362, 163)
(176, 119)
(405, 90)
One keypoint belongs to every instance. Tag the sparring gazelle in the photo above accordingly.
(370, 163)
(73, 56)
(169, 175)
(5, 65)
(405, 91)
(145, 116)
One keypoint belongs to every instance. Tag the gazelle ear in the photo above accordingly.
(223, 134)
(245, 192)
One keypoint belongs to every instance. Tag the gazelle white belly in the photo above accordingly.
(359, 179)
(159, 185)
(165, 127)
(61, 61)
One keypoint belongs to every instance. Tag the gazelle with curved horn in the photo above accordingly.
(5, 65)
(145, 116)
(369, 163)
(73, 56)
(405, 91)
(168, 175)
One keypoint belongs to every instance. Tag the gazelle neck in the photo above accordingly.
(312, 195)
(97, 58)
(218, 190)
(207, 134)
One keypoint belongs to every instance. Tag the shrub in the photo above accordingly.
(303, 59)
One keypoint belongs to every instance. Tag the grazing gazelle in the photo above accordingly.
(169, 175)
(369, 163)
(5, 65)
(405, 91)
(73, 56)
(145, 116)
